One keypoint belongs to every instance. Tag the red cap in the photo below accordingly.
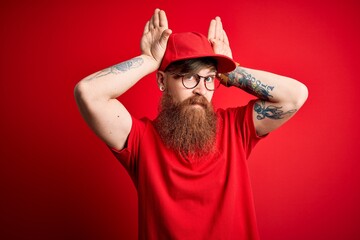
(188, 45)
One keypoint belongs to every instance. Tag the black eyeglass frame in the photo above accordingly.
(198, 78)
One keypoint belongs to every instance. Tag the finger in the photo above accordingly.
(165, 37)
(226, 39)
(163, 19)
(218, 29)
(150, 25)
(156, 18)
(211, 32)
(146, 28)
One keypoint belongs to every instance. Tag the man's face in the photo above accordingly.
(187, 121)
(179, 93)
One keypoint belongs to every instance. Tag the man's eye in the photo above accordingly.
(210, 78)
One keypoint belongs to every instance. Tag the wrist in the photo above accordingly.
(151, 63)
(225, 78)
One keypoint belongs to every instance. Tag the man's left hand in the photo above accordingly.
(218, 38)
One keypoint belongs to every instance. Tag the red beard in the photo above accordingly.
(188, 127)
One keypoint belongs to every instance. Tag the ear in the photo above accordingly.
(161, 80)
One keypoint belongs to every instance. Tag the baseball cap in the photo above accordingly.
(189, 45)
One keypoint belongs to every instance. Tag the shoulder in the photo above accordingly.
(234, 113)
(239, 119)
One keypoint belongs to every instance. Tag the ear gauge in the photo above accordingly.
(162, 88)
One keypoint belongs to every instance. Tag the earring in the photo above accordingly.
(162, 88)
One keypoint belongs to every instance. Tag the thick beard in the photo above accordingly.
(188, 127)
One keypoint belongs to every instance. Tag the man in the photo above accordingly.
(189, 164)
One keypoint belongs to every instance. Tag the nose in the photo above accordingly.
(200, 89)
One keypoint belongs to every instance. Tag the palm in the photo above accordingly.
(154, 39)
(218, 38)
(150, 44)
(222, 48)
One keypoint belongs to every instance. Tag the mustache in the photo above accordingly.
(200, 100)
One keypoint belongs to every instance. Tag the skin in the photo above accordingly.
(177, 90)
(279, 98)
(96, 94)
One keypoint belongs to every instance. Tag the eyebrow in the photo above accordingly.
(211, 72)
(209, 69)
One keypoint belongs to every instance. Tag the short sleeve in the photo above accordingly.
(240, 124)
(247, 127)
(128, 156)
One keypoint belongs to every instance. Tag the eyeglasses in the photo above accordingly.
(191, 81)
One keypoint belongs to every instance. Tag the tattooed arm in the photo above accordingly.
(279, 97)
(96, 95)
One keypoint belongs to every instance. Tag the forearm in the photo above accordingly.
(96, 94)
(112, 82)
(96, 98)
(267, 86)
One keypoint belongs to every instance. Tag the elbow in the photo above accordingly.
(78, 90)
(301, 95)
(82, 92)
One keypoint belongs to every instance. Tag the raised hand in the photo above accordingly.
(155, 36)
(218, 38)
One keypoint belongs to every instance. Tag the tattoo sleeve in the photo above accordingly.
(270, 111)
(264, 109)
(120, 68)
(242, 79)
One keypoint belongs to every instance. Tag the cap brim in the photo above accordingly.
(224, 63)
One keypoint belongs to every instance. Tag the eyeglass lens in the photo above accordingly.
(192, 81)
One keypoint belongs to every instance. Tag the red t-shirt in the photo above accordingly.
(177, 199)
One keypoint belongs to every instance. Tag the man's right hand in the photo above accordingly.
(155, 36)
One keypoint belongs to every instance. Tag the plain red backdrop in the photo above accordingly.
(58, 181)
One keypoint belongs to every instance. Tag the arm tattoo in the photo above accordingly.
(270, 111)
(244, 80)
(120, 68)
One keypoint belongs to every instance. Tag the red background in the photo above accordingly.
(58, 181)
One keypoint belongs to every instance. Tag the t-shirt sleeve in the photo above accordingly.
(128, 156)
(247, 128)
(240, 119)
